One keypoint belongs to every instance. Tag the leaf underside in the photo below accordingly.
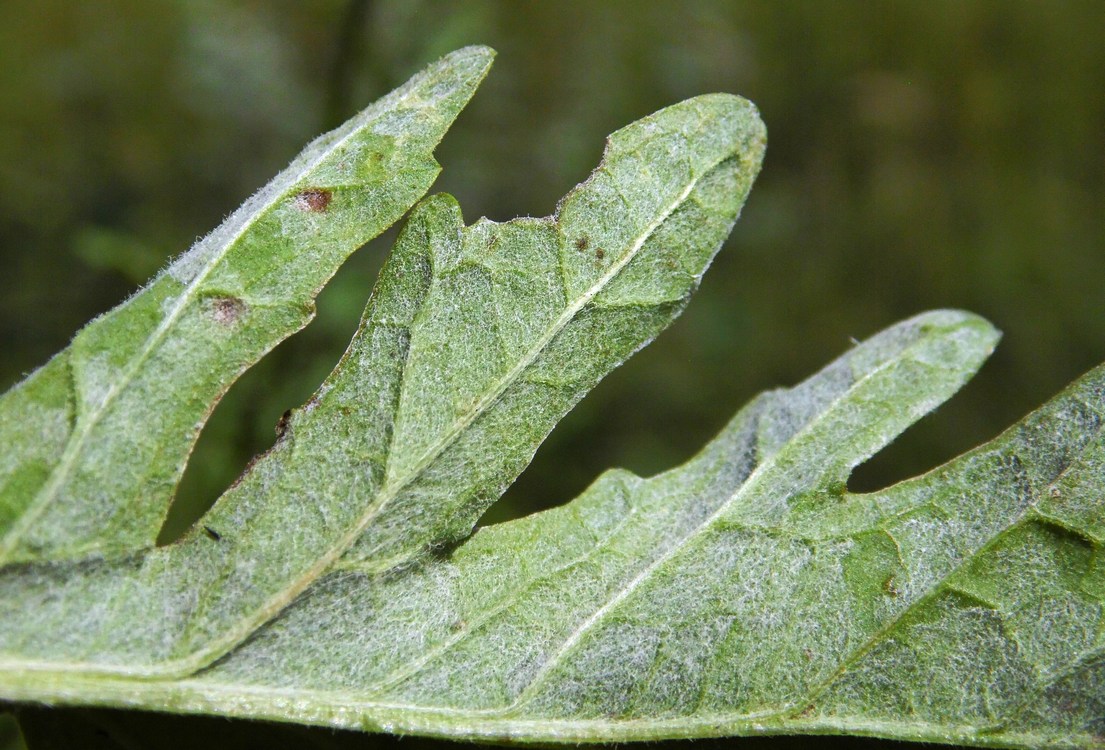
(745, 592)
(96, 440)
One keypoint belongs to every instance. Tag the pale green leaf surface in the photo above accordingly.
(746, 592)
(96, 440)
(475, 342)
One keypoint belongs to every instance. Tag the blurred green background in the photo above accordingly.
(921, 155)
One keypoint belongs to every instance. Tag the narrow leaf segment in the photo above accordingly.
(475, 342)
(746, 592)
(96, 440)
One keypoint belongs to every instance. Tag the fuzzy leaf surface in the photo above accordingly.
(95, 441)
(475, 342)
(746, 592)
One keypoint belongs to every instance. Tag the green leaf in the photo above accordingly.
(475, 342)
(96, 440)
(747, 592)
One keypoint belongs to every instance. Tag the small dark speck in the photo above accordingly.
(582, 243)
(282, 423)
(315, 200)
(599, 253)
(211, 533)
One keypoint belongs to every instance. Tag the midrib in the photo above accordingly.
(744, 490)
(392, 490)
(77, 442)
(200, 658)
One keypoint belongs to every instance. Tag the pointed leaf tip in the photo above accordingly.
(136, 385)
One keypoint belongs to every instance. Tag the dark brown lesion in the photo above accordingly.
(582, 243)
(315, 200)
(282, 423)
(227, 310)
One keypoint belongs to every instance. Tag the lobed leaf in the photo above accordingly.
(475, 342)
(746, 592)
(96, 440)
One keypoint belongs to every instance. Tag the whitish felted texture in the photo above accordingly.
(475, 342)
(94, 442)
(746, 592)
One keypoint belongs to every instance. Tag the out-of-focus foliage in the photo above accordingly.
(922, 155)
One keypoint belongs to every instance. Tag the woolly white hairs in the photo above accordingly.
(746, 592)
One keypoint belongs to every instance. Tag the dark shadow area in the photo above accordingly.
(100, 729)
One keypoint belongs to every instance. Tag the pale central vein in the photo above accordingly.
(76, 444)
(234, 634)
(392, 490)
(1025, 515)
(625, 591)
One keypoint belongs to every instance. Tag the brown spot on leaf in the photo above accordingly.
(599, 253)
(249, 464)
(315, 200)
(582, 243)
(282, 423)
(890, 586)
(227, 310)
